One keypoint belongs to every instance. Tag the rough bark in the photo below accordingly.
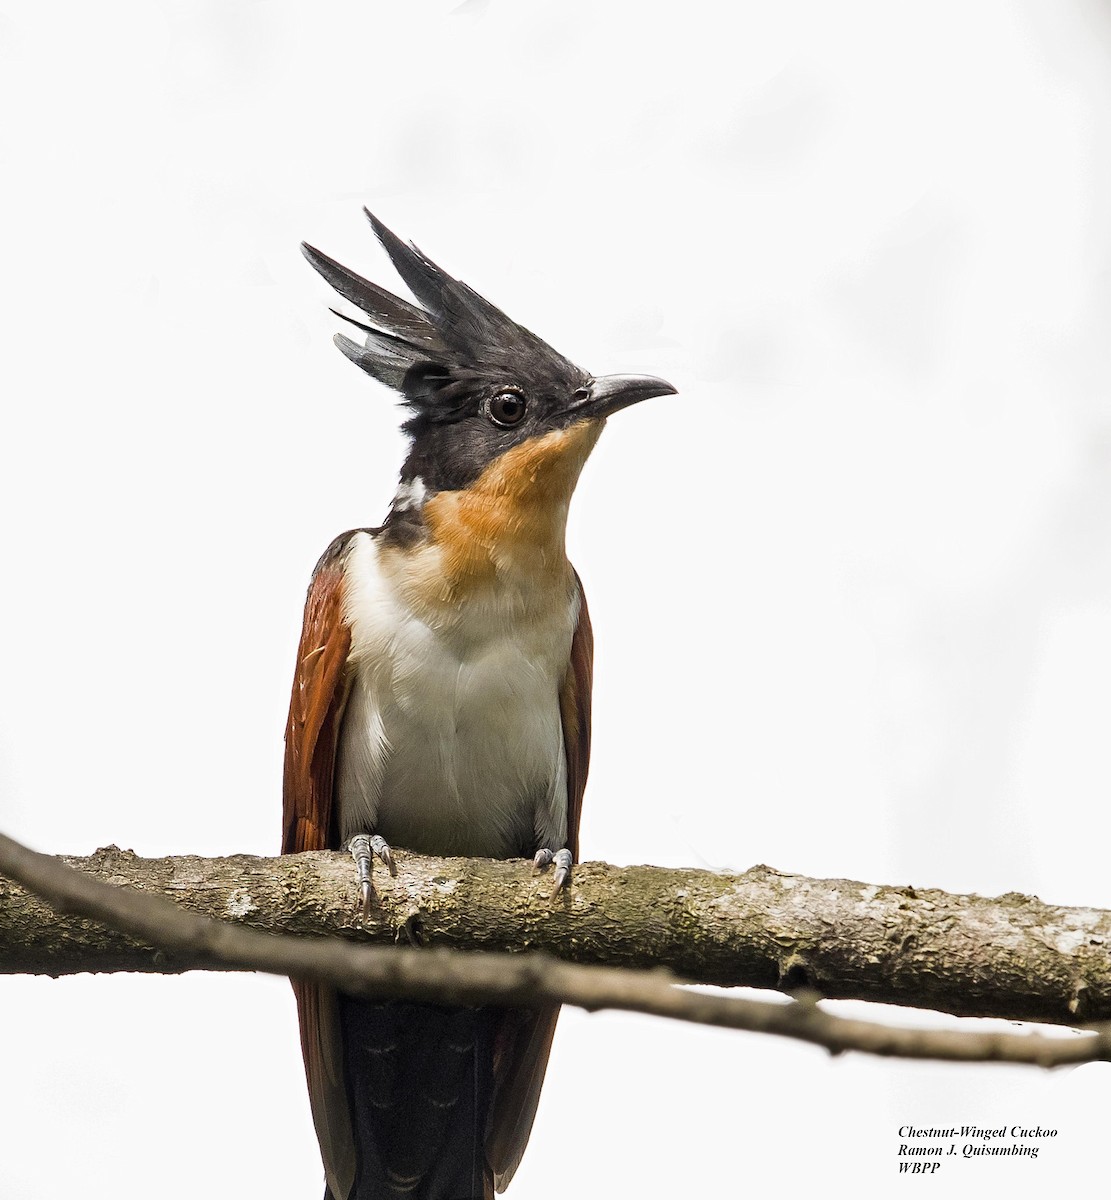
(1010, 956)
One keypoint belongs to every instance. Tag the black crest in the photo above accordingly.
(449, 352)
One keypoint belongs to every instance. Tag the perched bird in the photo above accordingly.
(441, 703)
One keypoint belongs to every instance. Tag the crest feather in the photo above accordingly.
(425, 352)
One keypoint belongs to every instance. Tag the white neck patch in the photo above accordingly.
(410, 494)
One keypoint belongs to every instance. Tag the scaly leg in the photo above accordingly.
(365, 848)
(562, 859)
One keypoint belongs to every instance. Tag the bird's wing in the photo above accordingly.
(312, 732)
(316, 709)
(574, 707)
(525, 1038)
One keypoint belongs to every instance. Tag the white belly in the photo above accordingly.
(452, 741)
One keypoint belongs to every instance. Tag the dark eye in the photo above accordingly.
(506, 408)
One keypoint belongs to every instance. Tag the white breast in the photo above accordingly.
(452, 741)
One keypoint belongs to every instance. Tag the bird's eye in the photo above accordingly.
(506, 409)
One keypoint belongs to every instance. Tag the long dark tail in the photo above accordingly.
(419, 1079)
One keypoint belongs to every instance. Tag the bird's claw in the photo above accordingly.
(381, 849)
(562, 859)
(562, 871)
(364, 848)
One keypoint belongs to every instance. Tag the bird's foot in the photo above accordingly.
(562, 859)
(365, 848)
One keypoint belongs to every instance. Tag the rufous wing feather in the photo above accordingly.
(574, 707)
(315, 711)
(312, 733)
(525, 1038)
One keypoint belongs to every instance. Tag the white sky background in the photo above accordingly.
(851, 587)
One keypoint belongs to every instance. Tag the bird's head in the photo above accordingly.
(487, 397)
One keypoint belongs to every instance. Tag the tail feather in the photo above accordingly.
(419, 1080)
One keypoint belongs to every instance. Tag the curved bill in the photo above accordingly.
(610, 393)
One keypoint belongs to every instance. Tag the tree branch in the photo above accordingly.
(957, 953)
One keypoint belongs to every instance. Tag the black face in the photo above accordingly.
(461, 424)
